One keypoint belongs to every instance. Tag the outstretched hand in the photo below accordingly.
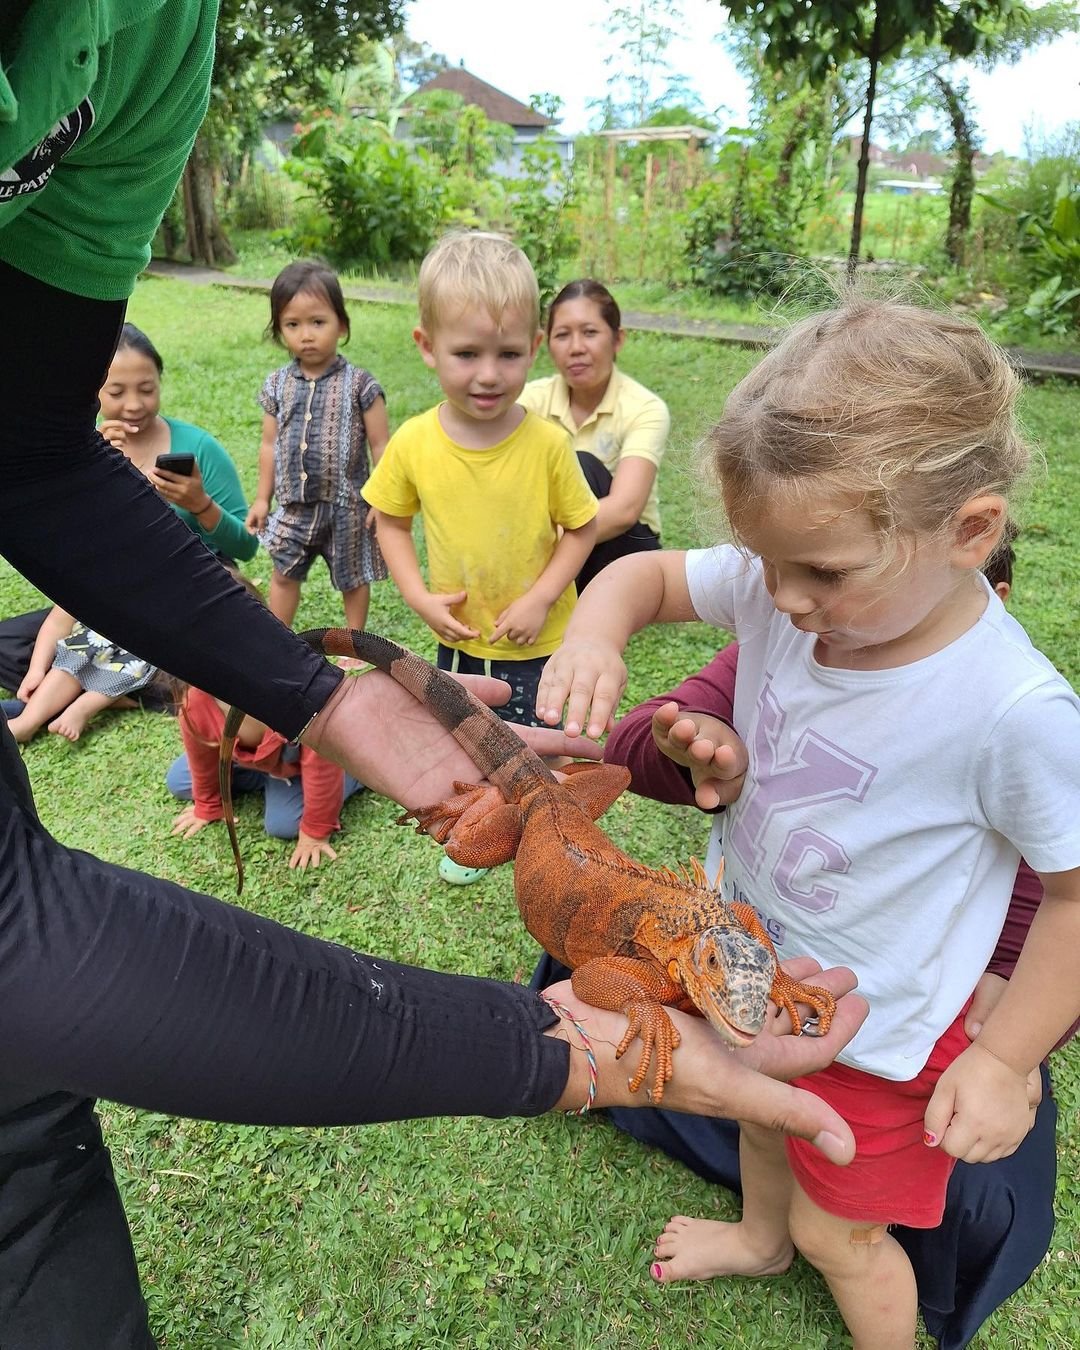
(387, 739)
(589, 677)
(711, 1079)
(708, 747)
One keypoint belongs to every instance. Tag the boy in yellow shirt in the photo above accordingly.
(508, 516)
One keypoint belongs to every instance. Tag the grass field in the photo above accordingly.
(460, 1233)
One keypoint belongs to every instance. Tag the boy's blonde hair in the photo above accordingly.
(904, 411)
(469, 268)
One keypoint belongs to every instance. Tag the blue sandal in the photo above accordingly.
(456, 874)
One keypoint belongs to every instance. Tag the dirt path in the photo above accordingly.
(1035, 365)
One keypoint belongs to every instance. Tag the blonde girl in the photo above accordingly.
(906, 744)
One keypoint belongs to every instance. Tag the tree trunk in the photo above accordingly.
(206, 240)
(864, 150)
(795, 137)
(963, 182)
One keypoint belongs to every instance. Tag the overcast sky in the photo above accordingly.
(557, 46)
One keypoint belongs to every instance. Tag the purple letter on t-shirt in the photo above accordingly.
(818, 771)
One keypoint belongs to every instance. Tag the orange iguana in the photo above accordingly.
(635, 937)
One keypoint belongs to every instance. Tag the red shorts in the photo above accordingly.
(894, 1177)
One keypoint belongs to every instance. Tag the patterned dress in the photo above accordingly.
(100, 666)
(321, 461)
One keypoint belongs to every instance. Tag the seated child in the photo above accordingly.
(304, 792)
(74, 673)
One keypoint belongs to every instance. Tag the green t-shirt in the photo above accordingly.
(99, 105)
(222, 482)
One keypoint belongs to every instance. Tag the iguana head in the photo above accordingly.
(728, 976)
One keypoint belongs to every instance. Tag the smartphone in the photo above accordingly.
(183, 464)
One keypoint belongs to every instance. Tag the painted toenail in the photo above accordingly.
(657, 1271)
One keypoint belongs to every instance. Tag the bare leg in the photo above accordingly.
(52, 695)
(759, 1244)
(284, 597)
(867, 1271)
(71, 723)
(356, 606)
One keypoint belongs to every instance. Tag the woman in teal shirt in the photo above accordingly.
(210, 501)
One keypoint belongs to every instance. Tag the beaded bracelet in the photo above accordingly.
(590, 1058)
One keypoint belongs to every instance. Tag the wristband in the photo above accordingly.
(586, 1045)
(203, 509)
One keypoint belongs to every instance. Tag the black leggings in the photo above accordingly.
(639, 538)
(120, 985)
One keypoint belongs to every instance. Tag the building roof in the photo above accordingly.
(498, 106)
(925, 163)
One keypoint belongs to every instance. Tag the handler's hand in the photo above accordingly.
(383, 736)
(711, 1079)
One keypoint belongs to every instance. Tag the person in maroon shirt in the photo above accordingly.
(999, 1216)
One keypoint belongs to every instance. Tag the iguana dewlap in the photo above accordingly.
(636, 938)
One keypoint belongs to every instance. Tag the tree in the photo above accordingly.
(819, 37)
(927, 80)
(955, 98)
(1019, 31)
(929, 139)
(270, 55)
(643, 32)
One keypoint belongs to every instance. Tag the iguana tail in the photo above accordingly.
(499, 754)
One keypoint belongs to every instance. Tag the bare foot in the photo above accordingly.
(21, 730)
(700, 1249)
(68, 724)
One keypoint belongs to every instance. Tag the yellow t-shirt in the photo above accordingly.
(630, 420)
(490, 518)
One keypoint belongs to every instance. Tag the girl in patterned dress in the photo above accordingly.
(324, 428)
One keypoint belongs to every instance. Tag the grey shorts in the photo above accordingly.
(296, 535)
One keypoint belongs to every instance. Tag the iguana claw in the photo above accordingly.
(659, 1039)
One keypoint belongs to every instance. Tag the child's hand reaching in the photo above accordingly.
(708, 747)
(309, 851)
(981, 1109)
(187, 824)
(436, 612)
(521, 620)
(589, 676)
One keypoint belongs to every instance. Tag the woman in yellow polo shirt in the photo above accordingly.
(619, 428)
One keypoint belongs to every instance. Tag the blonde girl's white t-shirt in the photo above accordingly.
(885, 811)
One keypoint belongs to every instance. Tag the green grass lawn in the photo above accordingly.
(460, 1233)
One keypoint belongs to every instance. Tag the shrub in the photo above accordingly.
(1052, 247)
(377, 201)
(261, 200)
(538, 203)
(736, 242)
